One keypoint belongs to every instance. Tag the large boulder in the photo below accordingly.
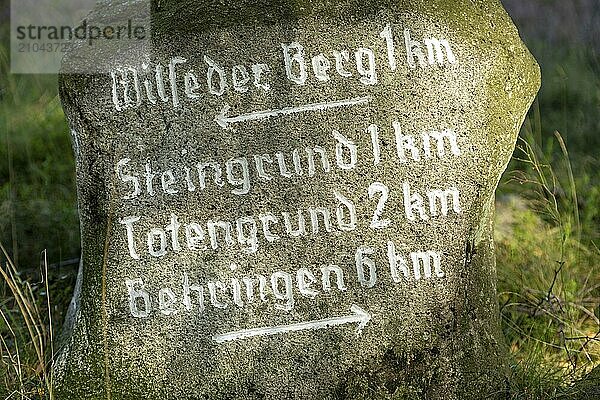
(294, 200)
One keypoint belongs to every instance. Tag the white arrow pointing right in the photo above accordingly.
(359, 316)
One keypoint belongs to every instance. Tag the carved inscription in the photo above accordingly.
(134, 85)
(338, 212)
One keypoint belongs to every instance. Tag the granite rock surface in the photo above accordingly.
(294, 200)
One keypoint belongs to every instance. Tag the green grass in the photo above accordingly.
(549, 295)
(548, 231)
(37, 179)
(548, 225)
(37, 213)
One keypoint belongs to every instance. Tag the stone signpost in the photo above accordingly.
(294, 200)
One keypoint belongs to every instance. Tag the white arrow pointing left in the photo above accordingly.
(359, 316)
(225, 121)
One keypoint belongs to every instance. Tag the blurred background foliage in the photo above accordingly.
(548, 210)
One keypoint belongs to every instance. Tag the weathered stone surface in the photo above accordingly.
(414, 153)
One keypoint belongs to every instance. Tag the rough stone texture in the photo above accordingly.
(436, 337)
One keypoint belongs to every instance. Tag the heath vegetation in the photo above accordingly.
(547, 230)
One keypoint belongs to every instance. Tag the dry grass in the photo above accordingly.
(26, 334)
(549, 277)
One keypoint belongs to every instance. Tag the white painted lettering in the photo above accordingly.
(166, 300)
(167, 179)
(173, 79)
(388, 36)
(413, 202)
(361, 260)
(326, 277)
(287, 295)
(298, 59)
(128, 178)
(413, 49)
(368, 73)
(213, 287)
(342, 57)
(162, 237)
(321, 65)
(247, 234)
(212, 233)
(314, 219)
(187, 294)
(300, 231)
(128, 222)
(240, 164)
(425, 259)
(194, 235)
(305, 279)
(259, 162)
(403, 143)
(376, 221)
(397, 263)
(240, 78)
(435, 51)
(258, 70)
(135, 295)
(441, 197)
(267, 220)
(344, 142)
(212, 68)
(345, 208)
(191, 85)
